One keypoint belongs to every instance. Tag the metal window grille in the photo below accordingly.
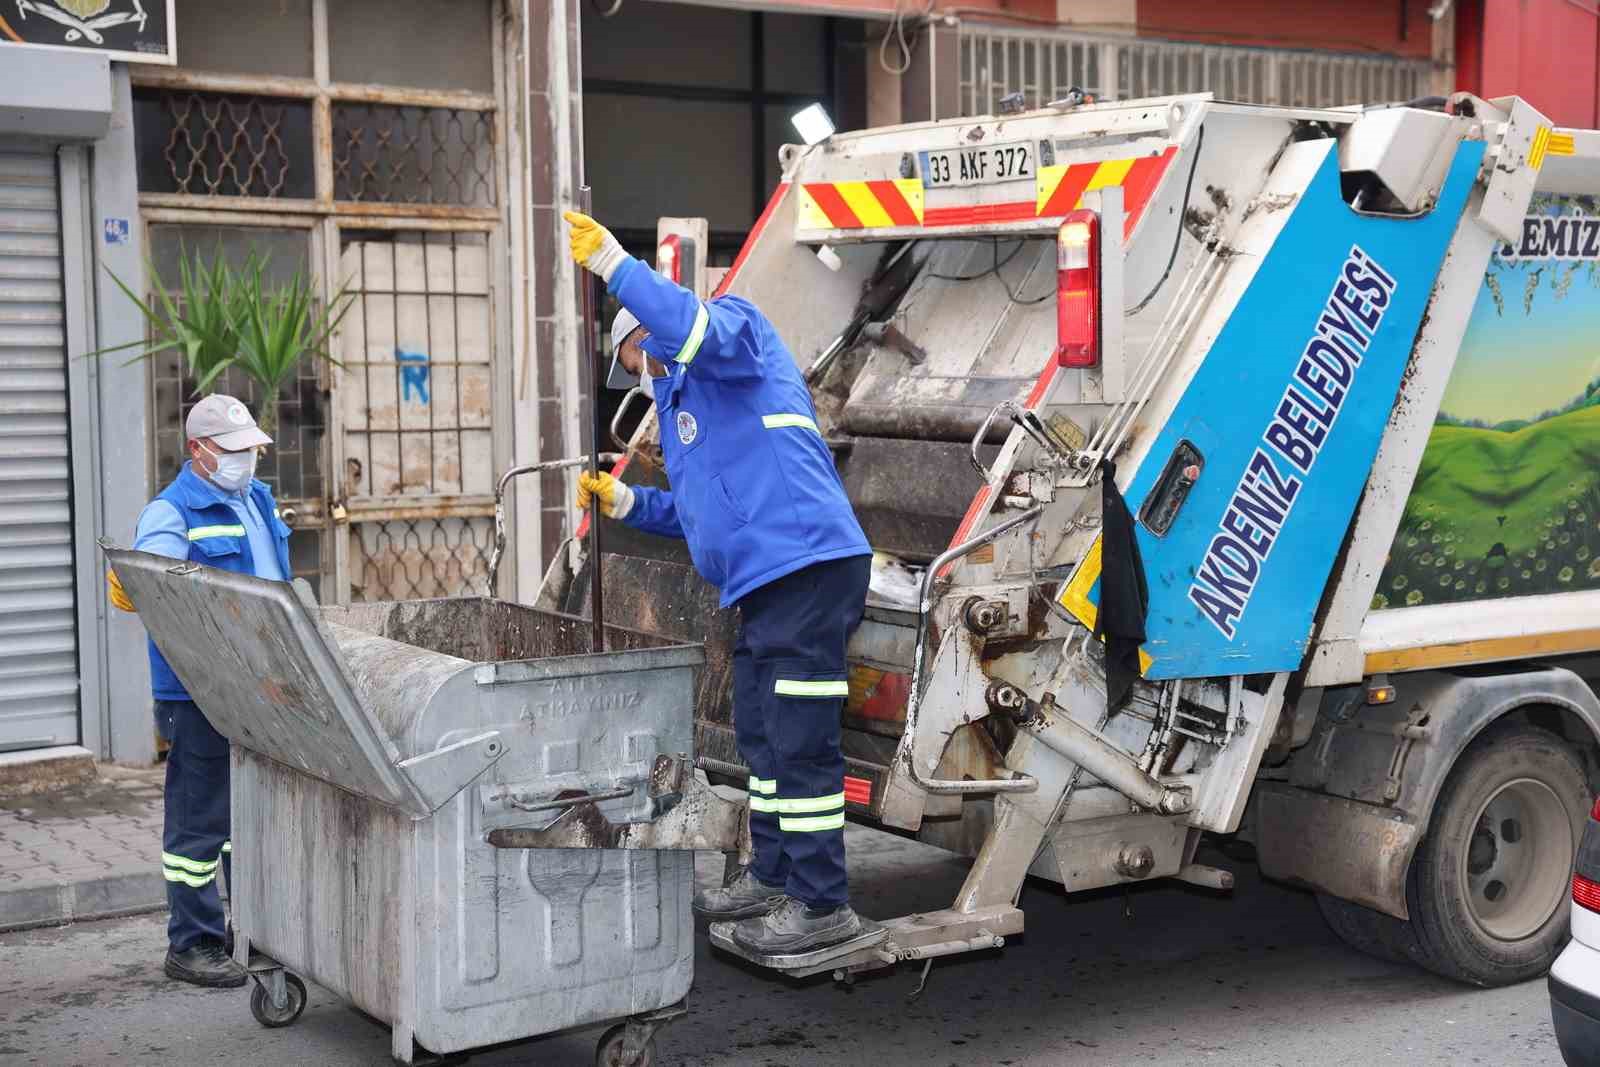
(993, 63)
(408, 559)
(394, 190)
(221, 144)
(416, 365)
(413, 155)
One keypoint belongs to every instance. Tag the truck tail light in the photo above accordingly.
(669, 259)
(1586, 867)
(1078, 290)
(1585, 893)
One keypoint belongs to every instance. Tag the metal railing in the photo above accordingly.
(994, 62)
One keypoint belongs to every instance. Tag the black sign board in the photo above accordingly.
(139, 31)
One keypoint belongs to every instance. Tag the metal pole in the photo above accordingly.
(586, 347)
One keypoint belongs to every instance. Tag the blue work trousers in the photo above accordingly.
(789, 680)
(195, 835)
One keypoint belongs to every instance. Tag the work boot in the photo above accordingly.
(742, 898)
(792, 927)
(205, 963)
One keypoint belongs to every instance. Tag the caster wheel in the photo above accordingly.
(261, 1003)
(609, 1052)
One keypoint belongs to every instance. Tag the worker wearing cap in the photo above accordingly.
(756, 496)
(216, 513)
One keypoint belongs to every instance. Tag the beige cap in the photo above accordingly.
(226, 421)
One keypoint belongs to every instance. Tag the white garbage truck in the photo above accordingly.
(1229, 469)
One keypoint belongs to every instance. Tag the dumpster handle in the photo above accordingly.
(500, 501)
(568, 802)
(622, 410)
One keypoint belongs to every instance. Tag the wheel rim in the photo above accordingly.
(1515, 865)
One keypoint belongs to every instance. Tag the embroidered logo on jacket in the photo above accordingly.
(687, 427)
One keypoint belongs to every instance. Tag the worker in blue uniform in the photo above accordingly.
(216, 513)
(756, 496)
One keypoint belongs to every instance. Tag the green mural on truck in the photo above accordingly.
(1507, 499)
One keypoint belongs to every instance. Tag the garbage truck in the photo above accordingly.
(1229, 470)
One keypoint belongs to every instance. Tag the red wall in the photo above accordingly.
(1350, 26)
(1542, 50)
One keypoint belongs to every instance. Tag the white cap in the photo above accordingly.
(226, 421)
(623, 325)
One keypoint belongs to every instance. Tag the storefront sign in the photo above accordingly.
(139, 31)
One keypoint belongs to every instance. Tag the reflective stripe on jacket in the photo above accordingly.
(216, 539)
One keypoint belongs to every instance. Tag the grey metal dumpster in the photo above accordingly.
(377, 750)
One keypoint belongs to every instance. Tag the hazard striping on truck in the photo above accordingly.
(903, 202)
(861, 205)
(1267, 491)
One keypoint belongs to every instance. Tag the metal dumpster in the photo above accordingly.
(376, 751)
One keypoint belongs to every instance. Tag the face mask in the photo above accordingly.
(234, 469)
(644, 373)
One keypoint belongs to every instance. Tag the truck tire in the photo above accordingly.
(1489, 883)
(1369, 931)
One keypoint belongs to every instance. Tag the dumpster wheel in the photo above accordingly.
(612, 1050)
(273, 1016)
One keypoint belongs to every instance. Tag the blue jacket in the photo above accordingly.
(216, 539)
(754, 488)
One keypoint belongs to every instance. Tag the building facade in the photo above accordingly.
(404, 154)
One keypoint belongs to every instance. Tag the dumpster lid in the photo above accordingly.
(257, 658)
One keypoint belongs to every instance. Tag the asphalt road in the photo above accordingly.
(1162, 975)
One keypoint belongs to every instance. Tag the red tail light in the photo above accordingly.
(1594, 812)
(669, 261)
(1585, 894)
(1078, 290)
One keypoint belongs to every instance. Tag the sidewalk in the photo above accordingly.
(84, 852)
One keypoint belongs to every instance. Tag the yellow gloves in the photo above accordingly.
(119, 598)
(616, 499)
(593, 246)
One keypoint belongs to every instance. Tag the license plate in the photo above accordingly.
(981, 165)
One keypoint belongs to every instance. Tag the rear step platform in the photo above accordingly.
(858, 949)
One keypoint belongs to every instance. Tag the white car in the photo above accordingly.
(1575, 978)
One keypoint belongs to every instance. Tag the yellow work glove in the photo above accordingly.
(616, 499)
(119, 598)
(593, 246)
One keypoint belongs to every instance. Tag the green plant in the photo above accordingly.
(276, 327)
(220, 317)
(197, 319)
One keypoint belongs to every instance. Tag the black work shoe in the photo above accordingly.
(742, 898)
(205, 963)
(791, 927)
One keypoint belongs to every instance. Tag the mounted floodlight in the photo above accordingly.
(812, 124)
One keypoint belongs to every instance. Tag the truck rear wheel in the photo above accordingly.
(1370, 931)
(1488, 885)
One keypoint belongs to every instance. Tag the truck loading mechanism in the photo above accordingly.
(1254, 313)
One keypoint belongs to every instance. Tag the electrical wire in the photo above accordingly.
(897, 33)
(605, 13)
(994, 269)
(994, 243)
(1177, 237)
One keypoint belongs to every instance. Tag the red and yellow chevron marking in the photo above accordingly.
(1061, 187)
(1058, 190)
(860, 205)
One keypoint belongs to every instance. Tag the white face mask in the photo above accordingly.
(644, 373)
(234, 469)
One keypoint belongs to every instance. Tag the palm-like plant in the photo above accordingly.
(224, 318)
(274, 328)
(198, 323)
